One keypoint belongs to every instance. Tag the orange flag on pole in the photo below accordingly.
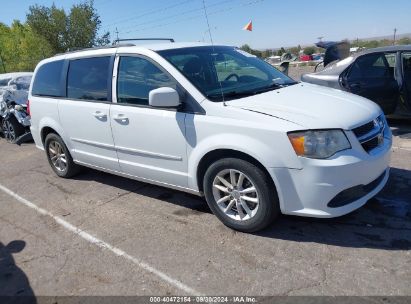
(248, 27)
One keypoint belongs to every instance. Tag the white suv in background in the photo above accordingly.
(211, 120)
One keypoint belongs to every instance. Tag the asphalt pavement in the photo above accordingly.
(99, 234)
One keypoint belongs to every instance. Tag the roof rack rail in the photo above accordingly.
(75, 50)
(115, 42)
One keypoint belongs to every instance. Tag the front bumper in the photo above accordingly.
(309, 191)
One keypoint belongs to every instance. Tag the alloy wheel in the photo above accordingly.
(57, 156)
(235, 194)
(8, 131)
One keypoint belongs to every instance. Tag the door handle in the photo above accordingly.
(100, 115)
(121, 118)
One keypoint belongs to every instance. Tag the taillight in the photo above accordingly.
(28, 107)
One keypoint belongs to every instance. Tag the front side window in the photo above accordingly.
(87, 79)
(224, 73)
(47, 81)
(137, 77)
(370, 66)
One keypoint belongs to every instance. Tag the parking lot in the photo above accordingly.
(99, 234)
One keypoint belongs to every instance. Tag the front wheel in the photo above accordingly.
(241, 195)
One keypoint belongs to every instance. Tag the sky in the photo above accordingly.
(275, 23)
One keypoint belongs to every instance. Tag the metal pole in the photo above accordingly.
(395, 32)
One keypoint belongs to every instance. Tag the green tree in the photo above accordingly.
(246, 48)
(281, 51)
(78, 29)
(20, 48)
(266, 53)
(405, 40)
(309, 50)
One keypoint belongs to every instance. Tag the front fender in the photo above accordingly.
(262, 151)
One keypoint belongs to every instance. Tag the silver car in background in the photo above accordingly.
(14, 116)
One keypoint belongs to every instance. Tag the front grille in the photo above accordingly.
(364, 129)
(371, 134)
(371, 144)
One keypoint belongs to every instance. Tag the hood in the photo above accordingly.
(312, 106)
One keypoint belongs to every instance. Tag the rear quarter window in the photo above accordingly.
(88, 79)
(47, 81)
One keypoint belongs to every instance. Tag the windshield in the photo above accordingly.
(225, 73)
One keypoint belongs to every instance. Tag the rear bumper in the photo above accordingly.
(309, 191)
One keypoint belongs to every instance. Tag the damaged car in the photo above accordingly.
(382, 75)
(14, 113)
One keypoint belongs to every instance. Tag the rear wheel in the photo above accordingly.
(59, 157)
(241, 195)
(12, 129)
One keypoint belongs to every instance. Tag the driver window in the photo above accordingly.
(370, 66)
(137, 77)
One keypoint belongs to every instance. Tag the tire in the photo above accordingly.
(262, 204)
(12, 129)
(57, 152)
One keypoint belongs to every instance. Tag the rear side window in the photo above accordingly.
(47, 81)
(88, 79)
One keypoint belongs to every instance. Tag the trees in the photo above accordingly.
(47, 31)
(20, 48)
(281, 51)
(309, 50)
(77, 29)
(405, 40)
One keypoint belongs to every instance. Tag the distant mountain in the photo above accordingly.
(390, 37)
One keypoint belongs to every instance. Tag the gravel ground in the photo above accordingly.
(296, 72)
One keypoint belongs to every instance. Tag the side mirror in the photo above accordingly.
(164, 98)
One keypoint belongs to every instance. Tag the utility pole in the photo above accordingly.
(118, 39)
(395, 32)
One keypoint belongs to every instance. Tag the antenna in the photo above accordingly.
(212, 44)
(117, 34)
(395, 33)
(208, 24)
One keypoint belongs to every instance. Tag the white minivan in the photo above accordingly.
(213, 121)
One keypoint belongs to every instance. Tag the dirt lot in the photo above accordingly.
(99, 234)
(296, 72)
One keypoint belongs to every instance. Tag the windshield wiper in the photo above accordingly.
(231, 94)
(274, 86)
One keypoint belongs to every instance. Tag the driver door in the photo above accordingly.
(406, 79)
(372, 77)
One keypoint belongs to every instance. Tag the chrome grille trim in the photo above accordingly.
(376, 133)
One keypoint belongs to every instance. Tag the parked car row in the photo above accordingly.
(215, 121)
(382, 75)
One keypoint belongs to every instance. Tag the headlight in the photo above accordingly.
(318, 143)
